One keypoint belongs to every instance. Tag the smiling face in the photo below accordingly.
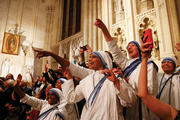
(168, 67)
(133, 50)
(52, 98)
(94, 63)
(58, 84)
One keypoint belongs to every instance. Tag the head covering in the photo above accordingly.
(58, 93)
(171, 59)
(62, 80)
(104, 58)
(178, 69)
(61, 103)
(138, 46)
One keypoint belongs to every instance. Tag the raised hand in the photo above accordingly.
(41, 52)
(110, 76)
(177, 46)
(89, 50)
(99, 24)
(67, 73)
(17, 87)
(18, 80)
(104, 29)
(146, 52)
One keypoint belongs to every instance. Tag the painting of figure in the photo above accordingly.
(10, 43)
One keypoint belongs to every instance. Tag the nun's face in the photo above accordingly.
(48, 88)
(51, 98)
(133, 50)
(94, 63)
(58, 84)
(168, 67)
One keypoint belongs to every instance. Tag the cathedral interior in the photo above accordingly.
(62, 26)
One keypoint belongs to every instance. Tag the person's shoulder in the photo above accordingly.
(153, 64)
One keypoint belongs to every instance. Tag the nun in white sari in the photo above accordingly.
(104, 97)
(169, 83)
(48, 110)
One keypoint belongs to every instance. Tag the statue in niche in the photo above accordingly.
(5, 67)
(27, 74)
(121, 39)
(147, 23)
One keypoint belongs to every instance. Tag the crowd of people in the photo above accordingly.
(109, 86)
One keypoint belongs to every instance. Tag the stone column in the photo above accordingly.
(174, 25)
(129, 17)
(163, 28)
(99, 32)
(91, 11)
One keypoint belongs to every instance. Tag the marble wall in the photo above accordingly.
(38, 24)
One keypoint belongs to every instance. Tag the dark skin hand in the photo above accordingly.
(104, 29)
(110, 76)
(146, 52)
(17, 87)
(43, 53)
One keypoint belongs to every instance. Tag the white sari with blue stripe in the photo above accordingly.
(152, 84)
(107, 104)
(47, 111)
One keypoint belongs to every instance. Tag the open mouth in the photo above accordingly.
(130, 51)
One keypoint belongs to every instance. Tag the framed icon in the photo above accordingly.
(10, 43)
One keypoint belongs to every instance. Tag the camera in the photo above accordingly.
(84, 47)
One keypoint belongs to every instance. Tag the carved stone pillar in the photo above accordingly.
(163, 29)
(130, 20)
(91, 11)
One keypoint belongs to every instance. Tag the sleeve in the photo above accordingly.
(118, 56)
(79, 71)
(33, 102)
(176, 90)
(60, 116)
(71, 94)
(127, 94)
(152, 79)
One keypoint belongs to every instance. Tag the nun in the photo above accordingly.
(53, 108)
(105, 96)
(169, 83)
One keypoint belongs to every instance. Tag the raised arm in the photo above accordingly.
(104, 29)
(118, 56)
(75, 70)
(164, 111)
(17, 88)
(43, 53)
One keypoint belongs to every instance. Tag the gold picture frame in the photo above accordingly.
(11, 43)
